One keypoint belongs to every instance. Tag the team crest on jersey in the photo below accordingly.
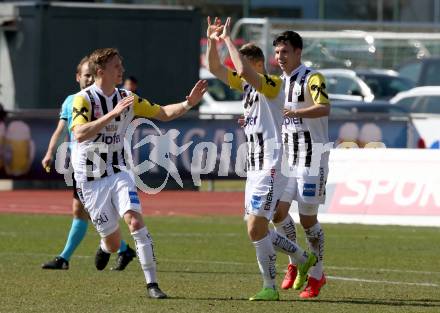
(97, 110)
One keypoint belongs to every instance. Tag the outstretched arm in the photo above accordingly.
(173, 111)
(242, 65)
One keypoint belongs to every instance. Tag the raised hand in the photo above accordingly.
(214, 30)
(226, 32)
(197, 92)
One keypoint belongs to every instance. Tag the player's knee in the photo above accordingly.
(136, 224)
(308, 214)
(254, 234)
(134, 221)
(308, 221)
(281, 212)
(256, 231)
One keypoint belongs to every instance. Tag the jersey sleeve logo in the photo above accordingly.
(269, 81)
(81, 112)
(320, 90)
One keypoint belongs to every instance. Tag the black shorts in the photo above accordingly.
(66, 166)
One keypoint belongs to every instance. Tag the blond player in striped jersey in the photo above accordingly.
(263, 104)
(101, 116)
(306, 145)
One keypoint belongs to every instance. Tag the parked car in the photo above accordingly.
(375, 107)
(423, 104)
(424, 100)
(384, 84)
(364, 85)
(423, 72)
(343, 84)
(220, 99)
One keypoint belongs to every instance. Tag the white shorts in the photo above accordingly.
(108, 199)
(305, 188)
(263, 191)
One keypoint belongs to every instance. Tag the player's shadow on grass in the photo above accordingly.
(220, 299)
(386, 302)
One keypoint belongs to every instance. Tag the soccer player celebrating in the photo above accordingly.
(305, 137)
(263, 103)
(101, 116)
(78, 229)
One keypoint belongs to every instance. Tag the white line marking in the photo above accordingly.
(250, 263)
(372, 269)
(381, 281)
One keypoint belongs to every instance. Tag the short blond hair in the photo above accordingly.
(99, 58)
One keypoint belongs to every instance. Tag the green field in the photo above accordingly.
(207, 264)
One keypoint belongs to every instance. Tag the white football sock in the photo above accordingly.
(145, 252)
(315, 240)
(284, 245)
(266, 258)
(287, 228)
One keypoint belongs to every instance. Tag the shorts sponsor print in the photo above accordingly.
(263, 191)
(307, 188)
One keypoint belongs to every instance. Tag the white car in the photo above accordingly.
(423, 103)
(220, 101)
(424, 100)
(365, 85)
(343, 84)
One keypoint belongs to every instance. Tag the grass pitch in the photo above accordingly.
(207, 264)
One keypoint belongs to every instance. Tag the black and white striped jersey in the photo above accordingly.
(104, 154)
(263, 120)
(303, 88)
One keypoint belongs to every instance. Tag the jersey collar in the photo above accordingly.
(293, 72)
(98, 90)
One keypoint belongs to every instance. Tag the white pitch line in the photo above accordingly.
(250, 263)
(380, 270)
(329, 267)
(381, 281)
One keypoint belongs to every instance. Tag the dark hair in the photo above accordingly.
(133, 79)
(289, 36)
(252, 52)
